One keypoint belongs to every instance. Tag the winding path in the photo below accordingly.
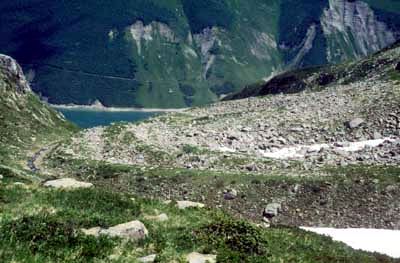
(35, 161)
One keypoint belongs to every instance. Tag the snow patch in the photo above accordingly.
(226, 149)
(371, 240)
(301, 151)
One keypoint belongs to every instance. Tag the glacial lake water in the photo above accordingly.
(91, 118)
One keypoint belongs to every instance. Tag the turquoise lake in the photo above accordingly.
(91, 118)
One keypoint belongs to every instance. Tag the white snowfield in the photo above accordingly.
(300, 151)
(371, 240)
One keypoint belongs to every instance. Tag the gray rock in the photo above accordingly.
(1, 177)
(134, 230)
(391, 188)
(377, 135)
(201, 258)
(251, 168)
(147, 259)
(272, 210)
(230, 194)
(189, 204)
(94, 231)
(355, 123)
(296, 129)
(67, 183)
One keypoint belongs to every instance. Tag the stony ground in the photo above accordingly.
(328, 158)
(349, 124)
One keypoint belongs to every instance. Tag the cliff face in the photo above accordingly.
(12, 70)
(353, 30)
(178, 53)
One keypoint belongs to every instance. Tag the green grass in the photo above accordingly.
(44, 237)
(384, 175)
(43, 225)
(394, 75)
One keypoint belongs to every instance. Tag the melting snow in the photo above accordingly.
(371, 240)
(226, 149)
(301, 150)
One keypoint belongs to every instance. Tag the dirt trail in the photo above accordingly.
(35, 162)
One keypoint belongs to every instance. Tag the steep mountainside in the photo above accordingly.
(25, 122)
(317, 78)
(174, 53)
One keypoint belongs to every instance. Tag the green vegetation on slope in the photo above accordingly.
(208, 13)
(25, 122)
(88, 48)
(42, 225)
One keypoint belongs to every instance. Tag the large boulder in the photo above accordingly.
(272, 210)
(230, 194)
(134, 230)
(355, 123)
(201, 258)
(67, 183)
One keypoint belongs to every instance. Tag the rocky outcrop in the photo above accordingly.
(141, 32)
(207, 40)
(14, 71)
(134, 230)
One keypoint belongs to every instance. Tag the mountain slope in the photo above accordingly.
(383, 63)
(26, 123)
(175, 53)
